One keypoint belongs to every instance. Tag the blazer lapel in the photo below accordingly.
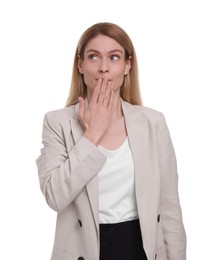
(146, 181)
(92, 186)
(137, 130)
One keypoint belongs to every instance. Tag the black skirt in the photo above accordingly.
(121, 241)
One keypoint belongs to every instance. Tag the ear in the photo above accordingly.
(128, 66)
(79, 64)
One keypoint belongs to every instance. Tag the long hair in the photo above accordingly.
(130, 89)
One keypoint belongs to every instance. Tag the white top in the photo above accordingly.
(117, 201)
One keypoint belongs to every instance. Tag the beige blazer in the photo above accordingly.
(68, 168)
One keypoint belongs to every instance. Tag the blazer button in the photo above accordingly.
(80, 223)
(80, 258)
(158, 218)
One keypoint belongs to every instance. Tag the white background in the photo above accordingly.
(180, 52)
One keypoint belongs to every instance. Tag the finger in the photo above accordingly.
(111, 101)
(107, 94)
(103, 90)
(95, 95)
(81, 107)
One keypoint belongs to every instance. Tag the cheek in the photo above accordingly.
(89, 81)
(118, 82)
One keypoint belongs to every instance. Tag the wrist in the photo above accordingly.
(91, 137)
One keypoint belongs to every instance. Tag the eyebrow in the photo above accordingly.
(115, 50)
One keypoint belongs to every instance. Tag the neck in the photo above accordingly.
(117, 106)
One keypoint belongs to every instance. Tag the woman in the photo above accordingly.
(108, 166)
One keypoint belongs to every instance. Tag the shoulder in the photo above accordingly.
(62, 114)
(151, 114)
(60, 118)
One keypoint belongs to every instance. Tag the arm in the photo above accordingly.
(170, 210)
(64, 174)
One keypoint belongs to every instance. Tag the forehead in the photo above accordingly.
(102, 43)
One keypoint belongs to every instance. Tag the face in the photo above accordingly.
(104, 58)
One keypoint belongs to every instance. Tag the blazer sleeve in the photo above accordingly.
(63, 174)
(170, 209)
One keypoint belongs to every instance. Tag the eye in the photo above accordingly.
(93, 57)
(114, 57)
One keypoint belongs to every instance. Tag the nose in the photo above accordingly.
(103, 67)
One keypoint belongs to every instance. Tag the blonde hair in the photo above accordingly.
(130, 89)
